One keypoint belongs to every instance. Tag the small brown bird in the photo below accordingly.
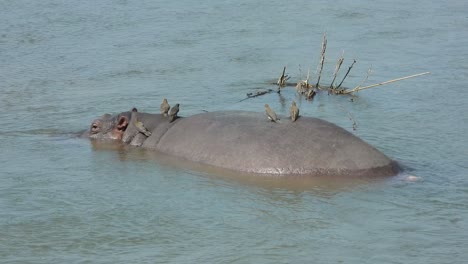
(141, 128)
(164, 107)
(294, 111)
(270, 113)
(173, 113)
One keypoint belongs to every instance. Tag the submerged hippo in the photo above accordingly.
(247, 142)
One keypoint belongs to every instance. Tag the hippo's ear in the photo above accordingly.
(122, 123)
(134, 109)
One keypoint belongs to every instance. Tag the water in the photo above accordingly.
(64, 63)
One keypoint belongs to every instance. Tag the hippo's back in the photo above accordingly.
(248, 142)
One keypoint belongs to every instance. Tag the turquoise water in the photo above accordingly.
(63, 63)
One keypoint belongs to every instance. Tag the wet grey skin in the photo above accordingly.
(294, 111)
(270, 113)
(241, 141)
(173, 113)
(164, 107)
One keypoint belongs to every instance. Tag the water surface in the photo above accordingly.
(64, 63)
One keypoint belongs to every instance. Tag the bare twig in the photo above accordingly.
(346, 75)
(382, 83)
(322, 58)
(369, 71)
(337, 68)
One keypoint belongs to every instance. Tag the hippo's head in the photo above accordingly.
(130, 127)
(109, 126)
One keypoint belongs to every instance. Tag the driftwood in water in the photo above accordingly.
(304, 87)
(282, 79)
(256, 94)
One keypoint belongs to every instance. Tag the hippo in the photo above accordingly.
(247, 142)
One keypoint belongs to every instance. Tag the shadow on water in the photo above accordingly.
(322, 186)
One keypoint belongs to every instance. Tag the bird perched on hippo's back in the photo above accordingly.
(294, 111)
(270, 114)
(164, 107)
(173, 113)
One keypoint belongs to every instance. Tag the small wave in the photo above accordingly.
(51, 132)
(125, 73)
(352, 15)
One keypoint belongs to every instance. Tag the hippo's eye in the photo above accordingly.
(95, 127)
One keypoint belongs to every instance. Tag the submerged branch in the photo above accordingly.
(351, 117)
(259, 93)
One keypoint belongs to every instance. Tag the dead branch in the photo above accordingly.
(322, 58)
(337, 68)
(346, 75)
(283, 78)
(382, 83)
(259, 93)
